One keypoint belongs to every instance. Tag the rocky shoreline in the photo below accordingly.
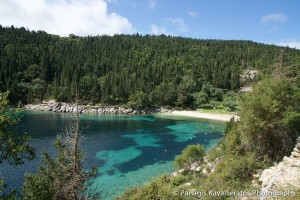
(97, 110)
(284, 176)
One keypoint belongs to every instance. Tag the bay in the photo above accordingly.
(129, 150)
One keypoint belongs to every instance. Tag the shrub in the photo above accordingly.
(189, 155)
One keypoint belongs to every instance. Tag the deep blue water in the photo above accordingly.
(128, 150)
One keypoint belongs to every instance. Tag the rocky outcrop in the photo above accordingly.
(249, 74)
(246, 89)
(247, 79)
(283, 177)
(205, 167)
(97, 110)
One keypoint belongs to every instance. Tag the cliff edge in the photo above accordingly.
(283, 179)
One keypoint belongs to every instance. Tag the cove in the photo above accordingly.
(129, 150)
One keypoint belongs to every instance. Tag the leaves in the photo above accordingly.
(13, 147)
(192, 153)
(169, 70)
(267, 115)
(62, 176)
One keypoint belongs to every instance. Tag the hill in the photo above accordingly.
(142, 70)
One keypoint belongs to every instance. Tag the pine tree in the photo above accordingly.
(62, 177)
(13, 148)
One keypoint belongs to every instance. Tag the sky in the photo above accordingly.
(267, 21)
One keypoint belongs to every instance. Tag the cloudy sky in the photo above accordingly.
(268, 21)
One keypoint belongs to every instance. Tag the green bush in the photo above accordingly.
(268, 117)
(138, 100)
(159, 188)
(37, 187)
(189, 155)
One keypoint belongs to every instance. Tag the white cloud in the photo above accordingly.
(63, 17)
(178, 23)
(192, 13)
(276, 17)
(152, 4)
(116, 2)
(293, 43)
(156, 30)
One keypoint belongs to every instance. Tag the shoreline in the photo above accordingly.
(201, 115)
(61, 107)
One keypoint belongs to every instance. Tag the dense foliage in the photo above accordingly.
(266, 131)
(142, 70)
(191, 154)
(56, 178)
(13, 147)
(62, 177)
(270, 118)
(145, 71)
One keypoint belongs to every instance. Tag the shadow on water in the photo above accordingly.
(167, 152)
(109, 136)
(132, 141)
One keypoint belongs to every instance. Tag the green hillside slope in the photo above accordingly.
(160, 70)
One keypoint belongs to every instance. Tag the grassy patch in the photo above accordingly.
(216, 111)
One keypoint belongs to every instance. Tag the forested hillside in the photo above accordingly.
(153, 70)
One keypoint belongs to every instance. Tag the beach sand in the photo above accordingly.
(211, 116)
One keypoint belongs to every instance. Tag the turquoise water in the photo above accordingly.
(128, 150)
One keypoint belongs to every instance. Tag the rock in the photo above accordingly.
(56, 107)
(127, 111)
(94, 111)
(246, 89)
(100, 111)
(296, 149)
(284, 159)
(298, 146)
(62, 108)
(256, 175)
(187, 184)
(198, 169)
(285, 174)
(194, 166)
(204, 171)
(70, 108)
(295, 154)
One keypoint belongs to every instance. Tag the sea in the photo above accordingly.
(128, 150)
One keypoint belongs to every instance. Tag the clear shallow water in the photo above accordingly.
(129, 150)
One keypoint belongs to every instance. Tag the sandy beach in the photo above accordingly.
(212, 116)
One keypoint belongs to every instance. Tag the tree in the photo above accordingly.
(268, 116)
(138, 100)
(185, 89)
(163, 94)
(230, 101)
(191, 154)
(38, 88)
(13, 147)
(200, 98)
(114, 68)
(62, 177)
(235, 78)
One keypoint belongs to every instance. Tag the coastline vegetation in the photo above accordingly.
(14, 148)
(267, 131)
(148, 71)
(141, 71)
